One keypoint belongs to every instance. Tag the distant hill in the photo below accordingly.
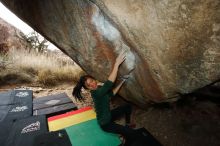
(11, 37)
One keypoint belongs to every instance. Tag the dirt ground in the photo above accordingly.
(188, 122)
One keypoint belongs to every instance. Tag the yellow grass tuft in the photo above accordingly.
(44, 68)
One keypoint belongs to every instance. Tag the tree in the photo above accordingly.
(36, 41)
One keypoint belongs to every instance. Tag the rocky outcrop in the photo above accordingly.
(173, 46)
(10, 37)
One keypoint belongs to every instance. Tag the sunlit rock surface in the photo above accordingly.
(173, 45)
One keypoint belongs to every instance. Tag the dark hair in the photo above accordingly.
(77, 89)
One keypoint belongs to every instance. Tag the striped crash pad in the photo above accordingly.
(82, 128)
(71, 118)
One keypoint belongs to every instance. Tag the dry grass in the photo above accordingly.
(22, 66)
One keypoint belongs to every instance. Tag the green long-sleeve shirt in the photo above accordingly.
(101, 98)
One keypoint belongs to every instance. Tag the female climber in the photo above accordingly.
(101, 97)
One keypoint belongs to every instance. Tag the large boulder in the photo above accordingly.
(173, 45)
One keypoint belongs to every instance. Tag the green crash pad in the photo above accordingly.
(90, 134)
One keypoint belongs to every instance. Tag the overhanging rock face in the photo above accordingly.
(174, 46)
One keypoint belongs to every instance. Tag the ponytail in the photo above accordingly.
(77, 89)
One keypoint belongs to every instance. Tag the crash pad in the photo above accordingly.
(16, 104)
(24, 131)
(55, 138)
(89, 133)
(53, 104)
(145, 138)
(6, 127)
(71, 118)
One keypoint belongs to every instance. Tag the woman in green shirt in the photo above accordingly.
(101, 97)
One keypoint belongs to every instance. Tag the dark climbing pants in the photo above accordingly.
(128, 133)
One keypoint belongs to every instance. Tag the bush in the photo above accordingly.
(46, 77)
(14, 78)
